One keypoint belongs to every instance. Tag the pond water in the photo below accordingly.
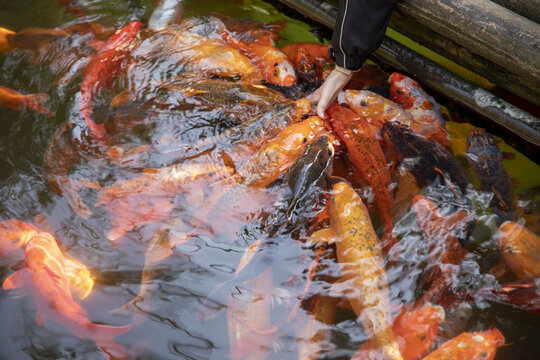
(38, 151)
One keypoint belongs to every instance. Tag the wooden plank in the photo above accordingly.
(485, 28)
(524, 87)
(526, 8)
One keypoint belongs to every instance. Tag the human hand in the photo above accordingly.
(328, 92)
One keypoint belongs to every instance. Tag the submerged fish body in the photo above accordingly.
(45, 277)
(367, 155)
(176, 50)
(17, 101)
(167, 12)
(486, 161)
(101, 71)
(520, 249)
(248, 313)
(415, 331)
(250, 31)
(480, 345)
(15, 234)
(359, 253)
(151, 196)
(445, 251)
(425, 159)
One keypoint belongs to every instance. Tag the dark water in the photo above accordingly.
(165, 324)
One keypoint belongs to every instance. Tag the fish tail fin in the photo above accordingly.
(215, 302)
(99, 331)
(33, 101)
(111, 349)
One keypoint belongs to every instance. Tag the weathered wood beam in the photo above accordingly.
(525, 87)
(485, 28)
(526, 8)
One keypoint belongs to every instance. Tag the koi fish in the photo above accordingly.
(486, 160)
(406, 190)
(250, 31)
(415, 331)
(176, 50)
(362, 268)
(4, 44)
(274, 65)
(480, 345)
(428, 160)
(314, 328)
(317, 54)
(377, 110)
(102, 70)
(248, 314)
(16, 101)
(367, 155)
(445, 249)
(44, 275)
(15, 234)
(522, 294)
(408, 93)
(150, 197)
(520, 249)
(35, 38)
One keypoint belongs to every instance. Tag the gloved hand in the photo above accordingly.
(328, 92)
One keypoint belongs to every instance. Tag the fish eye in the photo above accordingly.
(329, 152)
(304, 140)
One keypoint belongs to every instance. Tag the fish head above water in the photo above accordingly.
(482, 147)
(310, 171)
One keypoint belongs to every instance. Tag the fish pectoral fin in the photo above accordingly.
(15, 280)
(322, 236)
(500, 200)
(40, 318)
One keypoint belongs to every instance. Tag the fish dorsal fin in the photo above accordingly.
(15, 280)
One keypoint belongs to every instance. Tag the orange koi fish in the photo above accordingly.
(101, 71)
(44, 275)
(178, 50)
(317, 54)
(421, 106)
(16, 101)
(415, 331)
(35, 38)
(367, 155)
(480, 345)
(444, 247)
(4, 44)
(15, 234)
(520, 249)
(359, 253)
(377, 110)
(406, 190)
(273, 63)
(249, 31)
(248, 314)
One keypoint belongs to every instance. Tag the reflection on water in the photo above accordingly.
(162, 227)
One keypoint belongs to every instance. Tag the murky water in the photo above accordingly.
(166, 317)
